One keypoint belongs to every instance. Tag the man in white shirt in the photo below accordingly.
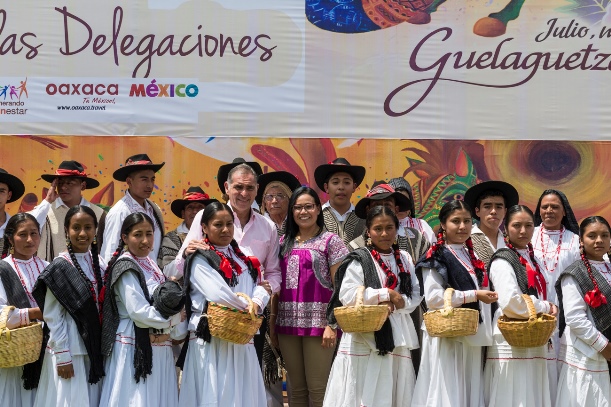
(339, 180)
(69, 181)
(139, 174)
(489, 202)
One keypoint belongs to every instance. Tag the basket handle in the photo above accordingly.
(4, 319)
(360, 291)
(447, 302)
(251, 305)
(532, 312)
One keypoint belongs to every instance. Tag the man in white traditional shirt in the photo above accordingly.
(139, 174)
(67, 185)
(339, 180)
(489, 202)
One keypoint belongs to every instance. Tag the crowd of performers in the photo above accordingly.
(124, 303)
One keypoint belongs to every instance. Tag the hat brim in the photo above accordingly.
(277, 176)
(122, 173)
(400, 200)
(90, 183)
(509, 192)
(178, 205)
(323, 172)
(15, 185)
(223, 173)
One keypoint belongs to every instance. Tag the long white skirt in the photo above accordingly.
(518, 376)
(159, 389)
(53, 391)
(451, 374)
(221, 374)
(583, 381)
(12, 392)
(362, 378)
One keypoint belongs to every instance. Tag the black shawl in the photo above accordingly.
(143, 353)
(602, 313)
(72, 292)
(385, 342)
(17, 297)
(453, 273)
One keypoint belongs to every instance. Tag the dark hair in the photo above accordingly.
(212, 209)
(489, 193)
(449, 207)
(568, 220)
(291, 225)
(95, 258)
(380, 210)
(128, 224)
(590, 220)
(517, 209)
(11, 228)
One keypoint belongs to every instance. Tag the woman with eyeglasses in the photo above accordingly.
(309, 257)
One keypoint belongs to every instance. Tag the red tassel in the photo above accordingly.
(595, 298)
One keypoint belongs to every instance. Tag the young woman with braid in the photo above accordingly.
(70, 292)
(137, 334)
(584, 294)
(518, 376)
(19, 271)
(375, 368)
(217, 372)
(451, 369)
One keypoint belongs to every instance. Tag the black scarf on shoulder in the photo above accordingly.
(453, 273)
(384, 339)
(72, 292)
(17, 297)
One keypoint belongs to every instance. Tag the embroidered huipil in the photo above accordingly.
(307, 286)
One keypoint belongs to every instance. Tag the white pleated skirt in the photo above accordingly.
(583, 381)
(12, 392)
(362, 378)
(221, 374)
(159, 389)
(450, 374)
(53, 391)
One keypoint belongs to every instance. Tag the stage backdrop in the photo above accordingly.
(437, 170)
(438, 69)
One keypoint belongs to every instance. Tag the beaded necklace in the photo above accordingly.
(545, 251)
(22, 279)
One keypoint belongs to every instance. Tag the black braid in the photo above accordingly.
(254, 274)
(5, 247)
(118, 252)
(97, 271)
(405, 281)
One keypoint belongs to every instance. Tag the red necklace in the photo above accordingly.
(25, 287)
(391, 278)
(544, 252)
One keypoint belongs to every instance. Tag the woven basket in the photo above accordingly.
(451, 322)
(233, 325)
(527, 333)
(361, 318)
(18, 346)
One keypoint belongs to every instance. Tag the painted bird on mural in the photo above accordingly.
(354, 16)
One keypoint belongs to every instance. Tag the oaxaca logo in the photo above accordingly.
(10, 98)
(159, 90)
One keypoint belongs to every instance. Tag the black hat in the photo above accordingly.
(14, 185)
(278, 176)
(401, 183)
(193, 194)
(224, 169)
(324, 172)
(135, 163)
(379, 191)
(168, 298)
(71, 169)
(509, 193)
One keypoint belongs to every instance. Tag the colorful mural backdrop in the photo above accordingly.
(417, 69)
(437, 170)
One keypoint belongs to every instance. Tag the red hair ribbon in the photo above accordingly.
(226, 268)
(595, 298)
(256, 264)
(535, 278)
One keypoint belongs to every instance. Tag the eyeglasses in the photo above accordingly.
(307, 207)
(270, 197)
